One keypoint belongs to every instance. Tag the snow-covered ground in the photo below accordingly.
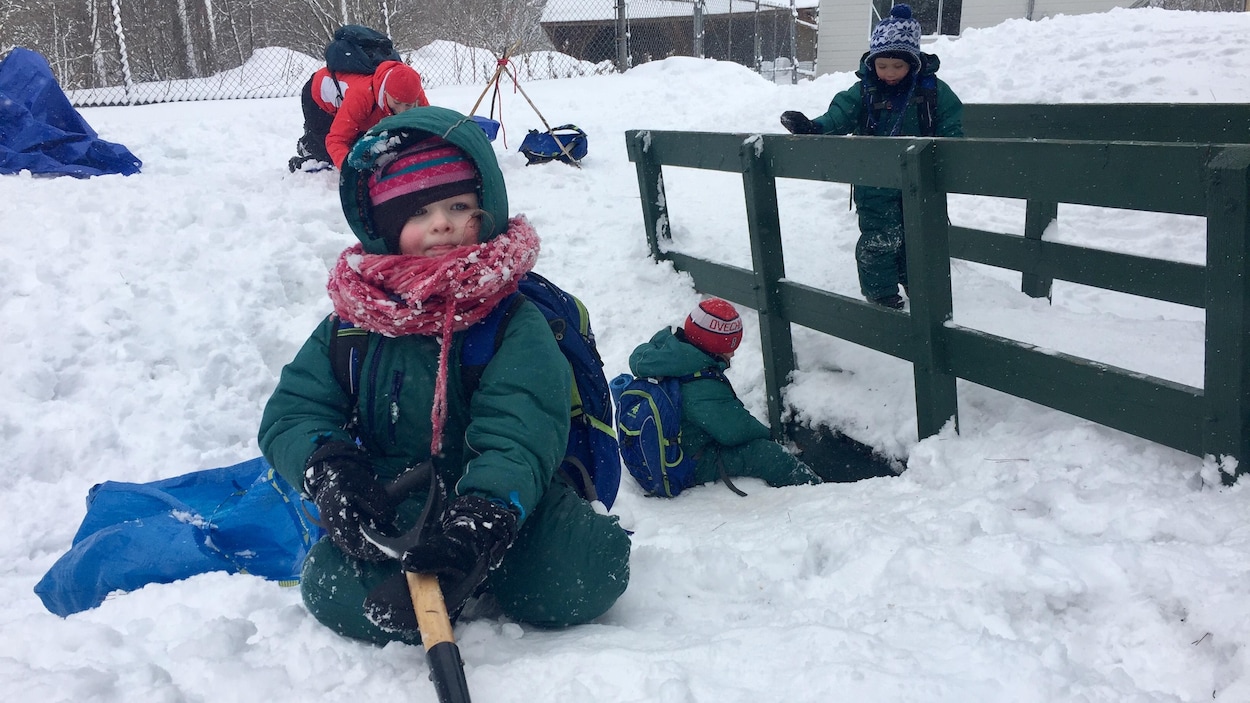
(1034, 557)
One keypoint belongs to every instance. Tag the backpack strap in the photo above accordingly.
(482, 340)
(348, 345)
(925, 100)
(714, 373)
(338, 87)
(926, 105)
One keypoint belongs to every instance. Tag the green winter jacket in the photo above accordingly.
(716, 429)
(503, 442)
(710, 411)
(844, 116)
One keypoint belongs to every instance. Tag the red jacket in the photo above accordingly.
(360, 109)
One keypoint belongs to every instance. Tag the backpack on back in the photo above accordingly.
(592, 461)
(358, 49)
(648, 423)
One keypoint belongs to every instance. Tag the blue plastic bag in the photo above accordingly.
(238, 519)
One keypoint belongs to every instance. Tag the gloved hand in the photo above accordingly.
(474, 535)
(348, 496)
(797, 123)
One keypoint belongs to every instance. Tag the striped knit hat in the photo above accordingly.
(433, 169)
(714, 327)
(897, 34)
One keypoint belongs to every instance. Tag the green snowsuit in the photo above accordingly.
(879, 254)
(503, 442)
(715, 426)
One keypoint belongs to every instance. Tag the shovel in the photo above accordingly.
(441, 651)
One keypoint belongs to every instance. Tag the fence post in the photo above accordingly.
(794, 43)
(697, 20)
(1037, 217)
(650, 191)
(768, 261)
(757, 47)
(929, 282)
(1226, 383)
(622, 38)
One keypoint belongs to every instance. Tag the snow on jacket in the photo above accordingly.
(503, 442)
(361, 108)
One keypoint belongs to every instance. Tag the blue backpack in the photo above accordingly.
(648, 422)
(592, 461)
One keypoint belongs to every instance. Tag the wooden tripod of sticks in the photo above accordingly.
(501, 68)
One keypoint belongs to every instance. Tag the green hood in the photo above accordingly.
(668, 355)
(391, 136)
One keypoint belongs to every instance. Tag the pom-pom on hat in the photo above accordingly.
(430, 170)
(714, 327)
(401, 83)
(897, 34)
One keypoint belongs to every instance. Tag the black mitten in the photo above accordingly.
(797, 123)
(474, 535)
(342, 484)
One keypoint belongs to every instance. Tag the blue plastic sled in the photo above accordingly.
(239, 519)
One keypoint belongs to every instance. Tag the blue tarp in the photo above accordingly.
(239, 519)
(41, 132)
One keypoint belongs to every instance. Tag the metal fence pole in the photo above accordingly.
(794, 44)
(698, 28)
(759, 51)
(622, 38)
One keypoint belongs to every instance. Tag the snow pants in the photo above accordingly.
(759, 458)
(316, 126)
(568, 565)
(880, 256)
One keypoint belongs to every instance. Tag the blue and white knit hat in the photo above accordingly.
(896, 34)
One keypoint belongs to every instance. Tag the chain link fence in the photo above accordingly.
(126, 52)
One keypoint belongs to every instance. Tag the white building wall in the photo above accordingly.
(844, 29)
(987, 13)
(844, 24)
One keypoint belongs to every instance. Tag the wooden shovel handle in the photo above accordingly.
(427, 600)
(446, 667)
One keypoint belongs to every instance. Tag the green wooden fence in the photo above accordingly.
(1211, 180)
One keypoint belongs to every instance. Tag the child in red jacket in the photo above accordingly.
(338, 108)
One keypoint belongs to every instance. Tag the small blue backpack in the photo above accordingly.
(648, 426)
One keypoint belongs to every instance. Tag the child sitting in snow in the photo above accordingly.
(424, 195)
(726, 440)
(898, 94)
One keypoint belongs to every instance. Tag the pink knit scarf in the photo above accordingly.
(396, 295)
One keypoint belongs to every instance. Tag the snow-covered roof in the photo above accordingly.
(595, 10)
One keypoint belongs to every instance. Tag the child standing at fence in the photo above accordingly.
(437, 254)
(725, 439)
(898, 94)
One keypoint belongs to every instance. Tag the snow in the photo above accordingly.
(1032, 557)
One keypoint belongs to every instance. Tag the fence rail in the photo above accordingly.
(1211, 180)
